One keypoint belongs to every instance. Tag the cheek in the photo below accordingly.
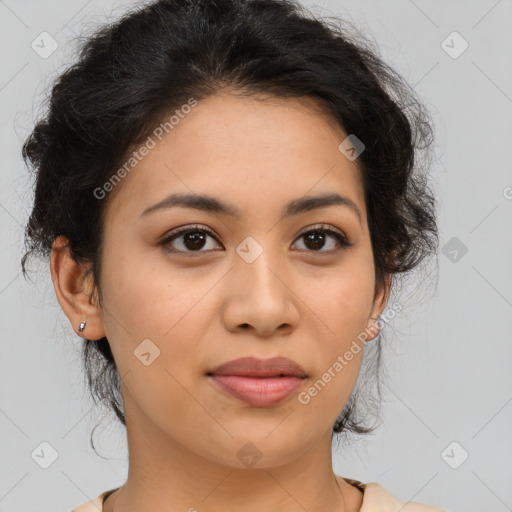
(143, 300)
(147, 313)
(341, 303)
(342, 298)
(328, 392)
(336, 350)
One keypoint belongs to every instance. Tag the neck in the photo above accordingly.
(163, 471)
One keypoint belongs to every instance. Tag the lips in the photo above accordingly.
(253, 367)
(259, 382)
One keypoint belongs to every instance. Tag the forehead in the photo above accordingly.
(255, 150)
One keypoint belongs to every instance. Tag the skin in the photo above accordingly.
(294, 300)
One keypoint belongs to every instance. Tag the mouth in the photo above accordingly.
(258, 391)
(258, 382)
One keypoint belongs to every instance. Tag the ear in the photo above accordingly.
(379, 304)
(73, 290)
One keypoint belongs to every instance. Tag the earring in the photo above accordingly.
(81, 327)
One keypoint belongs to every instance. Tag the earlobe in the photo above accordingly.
(374, 325)
(72, 288)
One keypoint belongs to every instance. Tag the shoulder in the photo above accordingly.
(376, 496)
(377, 499)
(94, 505)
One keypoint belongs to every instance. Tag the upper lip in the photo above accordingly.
(254, 367)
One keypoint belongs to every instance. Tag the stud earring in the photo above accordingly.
(81, 327)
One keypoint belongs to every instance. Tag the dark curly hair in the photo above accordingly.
(129, 75)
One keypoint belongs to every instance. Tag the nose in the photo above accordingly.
(260, 297)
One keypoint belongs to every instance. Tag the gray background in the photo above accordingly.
(450, 360)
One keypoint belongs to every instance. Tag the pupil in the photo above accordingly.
(317, 238)
(196, 240)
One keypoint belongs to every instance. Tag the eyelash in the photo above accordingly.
(321, 228)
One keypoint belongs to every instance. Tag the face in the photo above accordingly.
(256, 283)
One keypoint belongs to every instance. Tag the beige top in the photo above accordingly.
(375, 499)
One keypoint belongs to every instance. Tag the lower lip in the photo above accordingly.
(258, 391)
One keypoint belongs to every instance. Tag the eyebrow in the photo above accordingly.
(211, 204)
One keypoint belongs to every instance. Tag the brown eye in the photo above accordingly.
(316, 239)
(194, 239)
(191, 239)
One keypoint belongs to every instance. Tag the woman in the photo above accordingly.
(227, 190)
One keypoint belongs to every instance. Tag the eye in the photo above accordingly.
(317, 236)
(193, 239)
